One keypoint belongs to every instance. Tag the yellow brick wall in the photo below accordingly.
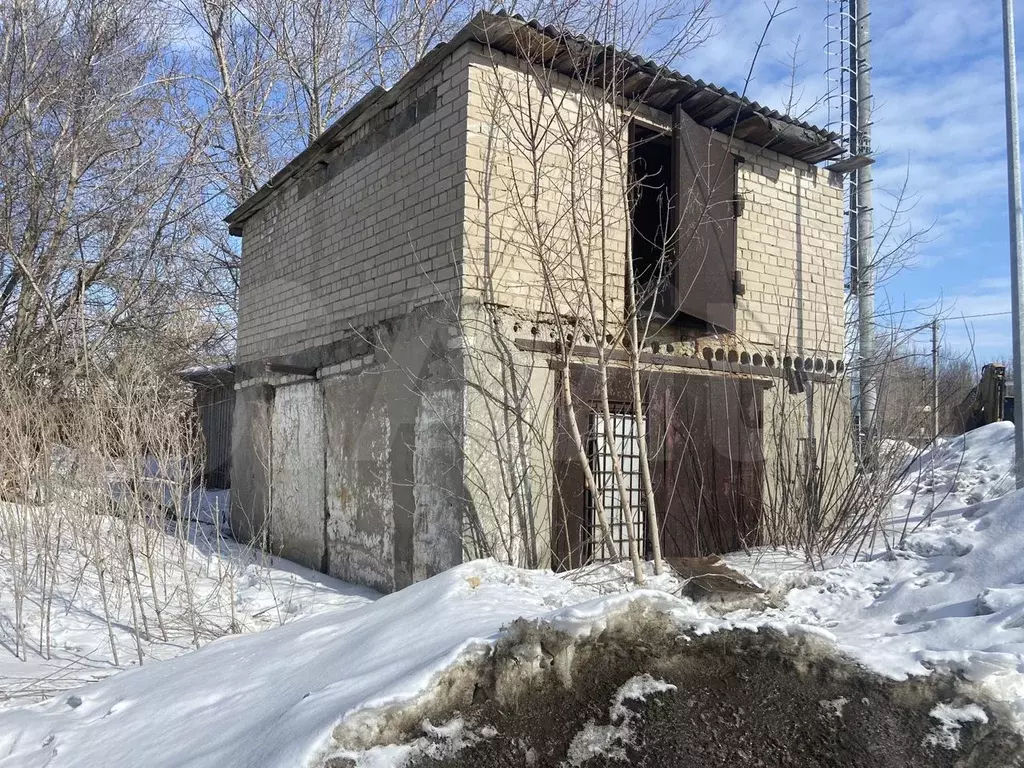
(501, 178)
(538, 196)
(790, 250)
(545, 163)
(380, 238)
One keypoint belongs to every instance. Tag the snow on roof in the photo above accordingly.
(221, 372)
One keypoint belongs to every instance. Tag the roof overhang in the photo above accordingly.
(210, 375)
(656, 86)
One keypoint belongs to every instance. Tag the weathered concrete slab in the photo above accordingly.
(250, 463)
(297, 500)
(361, 520)
(365, 473)
(437, 472)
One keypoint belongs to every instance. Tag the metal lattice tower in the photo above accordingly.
(849, 106)
(841, 107)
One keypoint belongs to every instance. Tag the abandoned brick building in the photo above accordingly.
(408, 279)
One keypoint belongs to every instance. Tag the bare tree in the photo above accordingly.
(264, 79)
(98, 190)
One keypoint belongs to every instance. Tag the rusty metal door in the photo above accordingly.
(711, 464)
(704, 440)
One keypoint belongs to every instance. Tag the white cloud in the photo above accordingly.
(938, 86)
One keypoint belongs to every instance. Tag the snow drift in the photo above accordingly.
(946, 594)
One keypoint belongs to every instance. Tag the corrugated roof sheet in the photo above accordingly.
(655, 70)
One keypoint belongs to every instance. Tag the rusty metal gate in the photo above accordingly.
(704, 440)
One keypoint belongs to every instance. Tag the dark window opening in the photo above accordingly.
(683, 238)
(653, 189)
(625, 436)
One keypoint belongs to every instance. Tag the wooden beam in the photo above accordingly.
(291, 370)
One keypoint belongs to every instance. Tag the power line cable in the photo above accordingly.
(957, 317)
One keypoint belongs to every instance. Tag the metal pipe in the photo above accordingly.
(853, 146)
(1016, 232)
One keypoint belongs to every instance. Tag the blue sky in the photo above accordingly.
(939, 127)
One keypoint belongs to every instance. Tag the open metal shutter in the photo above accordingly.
(705, 219)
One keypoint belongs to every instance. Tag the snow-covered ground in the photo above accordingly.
(271, 699)
(230, 589)
(950, 595)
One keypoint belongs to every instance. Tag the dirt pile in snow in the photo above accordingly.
(646, 691)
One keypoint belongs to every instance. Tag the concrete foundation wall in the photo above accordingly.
(366, 477)
(361, 522)
(250, 462)
(297, 515)
(439, 446)
(808, 450)
(509, 440)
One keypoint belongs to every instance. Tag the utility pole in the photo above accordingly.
(935, 380)
(865, 223)
(1016, 233)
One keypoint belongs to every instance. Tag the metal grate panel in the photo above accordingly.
(626, 436)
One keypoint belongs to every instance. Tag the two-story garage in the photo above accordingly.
(542, 300)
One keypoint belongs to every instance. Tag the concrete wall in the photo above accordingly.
(808, 442)
(441, 502)
(297, 513)
(366, 477)
(509, 438)
(360, 480)
(250, 461)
